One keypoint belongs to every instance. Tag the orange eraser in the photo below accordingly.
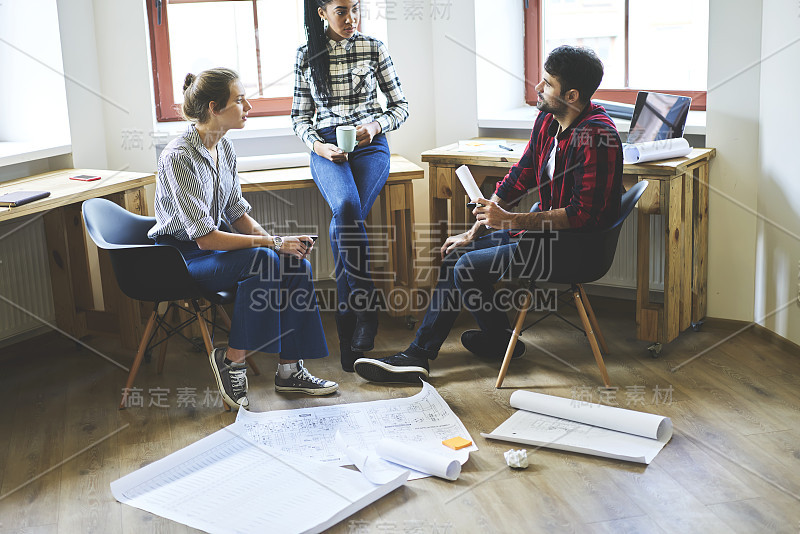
(456, 443)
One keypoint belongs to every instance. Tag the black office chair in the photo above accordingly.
(578, 258)
(153, 273)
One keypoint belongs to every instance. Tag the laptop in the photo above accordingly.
(658, 116)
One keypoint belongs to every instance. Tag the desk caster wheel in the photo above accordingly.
(655, 350)
(411, 322)
(697, 326)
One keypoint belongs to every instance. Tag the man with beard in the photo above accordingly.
(574, 161)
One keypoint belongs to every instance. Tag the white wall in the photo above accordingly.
(777, 262)
(734, 44)
(84, 96)
(123, 56)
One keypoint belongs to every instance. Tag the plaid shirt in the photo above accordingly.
(587, 178)
(358, 66)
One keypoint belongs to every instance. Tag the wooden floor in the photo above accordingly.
(733, 464)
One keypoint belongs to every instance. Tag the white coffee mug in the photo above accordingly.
(346, 138)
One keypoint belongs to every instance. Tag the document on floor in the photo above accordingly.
(572, 425)
(423, 420)
(227, 483)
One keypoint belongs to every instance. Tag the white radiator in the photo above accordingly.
(293, 212)
(623, 270)
(24, 276)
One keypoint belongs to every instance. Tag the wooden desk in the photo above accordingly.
(678, 189)
(66, 247)
(397, 212)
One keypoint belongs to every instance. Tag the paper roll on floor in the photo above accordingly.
(418, 458)
(274, 161)
(655, 150)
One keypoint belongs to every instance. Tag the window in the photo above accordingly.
(257, 38)
(644, 45)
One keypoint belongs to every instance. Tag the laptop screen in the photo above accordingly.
(657, 116)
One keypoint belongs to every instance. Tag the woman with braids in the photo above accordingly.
(337, 75)
(196, 191)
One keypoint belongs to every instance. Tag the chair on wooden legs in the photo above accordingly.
(152, 273)
(579, 258)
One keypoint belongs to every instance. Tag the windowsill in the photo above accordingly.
(256, 127)
(522, 118)
(14, 152)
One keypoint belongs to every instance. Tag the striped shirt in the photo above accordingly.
(587, 177)
(358, 66)
(192, 195)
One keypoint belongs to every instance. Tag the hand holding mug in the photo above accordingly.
(330, 152)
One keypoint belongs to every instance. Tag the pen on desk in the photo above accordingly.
(504, 147)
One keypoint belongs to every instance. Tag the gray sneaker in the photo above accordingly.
(231, 379)
(301, 381)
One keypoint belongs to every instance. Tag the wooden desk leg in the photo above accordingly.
(389, 274)
(458, 209)
(686, 238)
(398, 212)
(673, 259)
(63, 273)
(648, 317)
(700, 251)
(441, 190)
(128, 311)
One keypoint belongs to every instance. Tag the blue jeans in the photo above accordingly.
(466, 280)
(275, 308)
(350, 189)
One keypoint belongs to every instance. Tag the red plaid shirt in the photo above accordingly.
(587, 178)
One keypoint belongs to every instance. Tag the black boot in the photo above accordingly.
(365, 331)
(345, 325)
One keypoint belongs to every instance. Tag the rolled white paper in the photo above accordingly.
(655, 150)
(273, 161)
(418, 459)
(467, 180)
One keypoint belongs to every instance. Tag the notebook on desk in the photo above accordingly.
(18, 198)
(658, 116)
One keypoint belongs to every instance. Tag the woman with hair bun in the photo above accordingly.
(337, 75)
(197, 193)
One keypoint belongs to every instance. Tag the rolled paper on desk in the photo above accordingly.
(273, 161)
(655, 150)
(418, 459)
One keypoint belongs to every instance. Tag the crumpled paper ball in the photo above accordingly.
(517, 459)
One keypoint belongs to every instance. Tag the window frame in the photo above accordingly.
(534, 64)
(166, 107)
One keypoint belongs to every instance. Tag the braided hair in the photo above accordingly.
(318, 57)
